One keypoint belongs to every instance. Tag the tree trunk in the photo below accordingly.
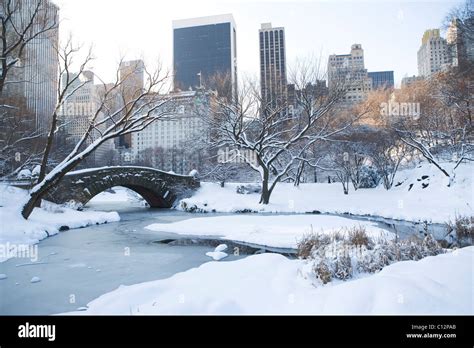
(42, 188)
(47, 148)
(33, 202)
(265, 196)
(299, 173)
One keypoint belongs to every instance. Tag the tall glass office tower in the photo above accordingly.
(273, 81)
(205, 48)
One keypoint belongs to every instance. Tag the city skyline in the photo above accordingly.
(398, 35)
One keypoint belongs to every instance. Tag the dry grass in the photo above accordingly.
(340, 255)
(322, 272)
(463, 226)
(358, 236)
(310, 243)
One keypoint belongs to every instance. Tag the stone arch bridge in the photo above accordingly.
(159, 189)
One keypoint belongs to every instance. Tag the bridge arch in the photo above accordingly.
(158, 188)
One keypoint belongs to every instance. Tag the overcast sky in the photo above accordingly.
(390, 31)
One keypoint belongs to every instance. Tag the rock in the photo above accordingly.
(3, 276)
(221, 247)
(248, 189)
(217, 256)
(35, 280)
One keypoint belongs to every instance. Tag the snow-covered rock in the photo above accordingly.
(3, 276)
(221, 247)
(36, 171)
(194, 173)
(217, 255)
(35, 280)
(24, 174)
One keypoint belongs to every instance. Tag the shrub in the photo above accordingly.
(358, 236)
(323, 272)
(341, 255)
(370, 178)
(463, 229)
(343, 267)
(310, 243)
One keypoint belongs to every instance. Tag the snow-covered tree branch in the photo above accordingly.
(144, 107)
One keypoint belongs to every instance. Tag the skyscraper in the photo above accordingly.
(348, 71)
(36, 73)
(205, 51)
(132, 77)
(433, 54)
(273, 82)
(382, 79)
(460, 42)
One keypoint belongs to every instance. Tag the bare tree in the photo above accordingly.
(269, 135)
(144, 108)
(20, 26)
(443, 132)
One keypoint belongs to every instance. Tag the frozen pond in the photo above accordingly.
(79, 265)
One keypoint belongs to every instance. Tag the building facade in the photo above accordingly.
(35, 76)
(382, 79)
(77, 112)
(348, 71)
(169, 143)
(273, 79)
(433, 54)
(460, 42)
(204, 51)
(408, 80)
(132, 79)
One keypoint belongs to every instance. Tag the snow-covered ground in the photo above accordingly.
(117, 195)
(436, 202)
(275, 231)
(43, 222)
(272, 284)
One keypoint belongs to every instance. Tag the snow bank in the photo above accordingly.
(275, 231)
(43, 222)
(422, 194)
(119, 195)
(272, 284)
